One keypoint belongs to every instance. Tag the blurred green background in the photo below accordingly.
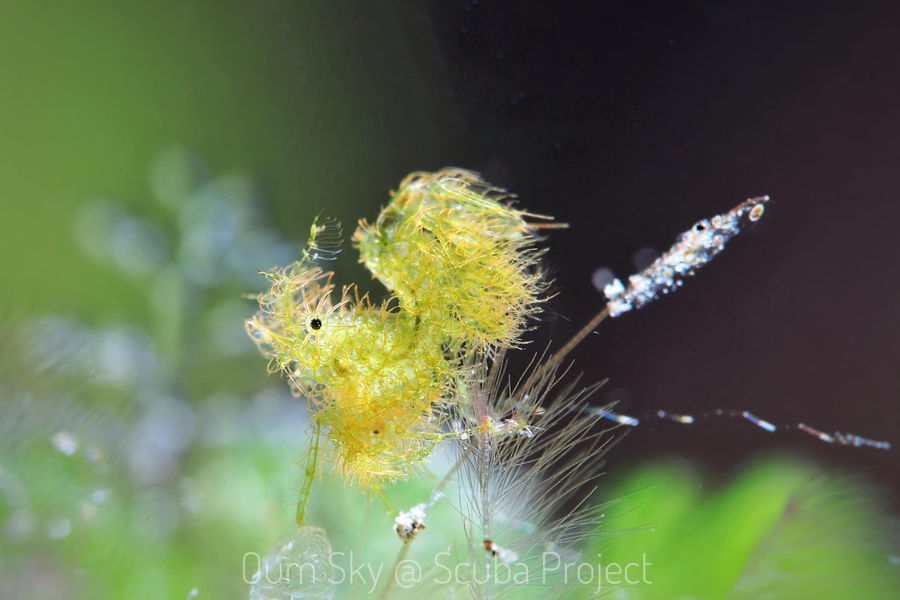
(155, 156)
(292, 93)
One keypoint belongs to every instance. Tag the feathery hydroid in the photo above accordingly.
(529, 472)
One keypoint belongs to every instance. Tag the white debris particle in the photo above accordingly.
(64, 442)
(59, 528)
(100, 496)
(602, 277)
(504, 554)
(408, 523)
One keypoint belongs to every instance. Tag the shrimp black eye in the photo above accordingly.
(315, 323)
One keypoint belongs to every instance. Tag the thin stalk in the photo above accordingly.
(564, 351)
(309, 473)
(401, 556)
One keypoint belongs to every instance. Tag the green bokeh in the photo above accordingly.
(783, 528)
(294, 93)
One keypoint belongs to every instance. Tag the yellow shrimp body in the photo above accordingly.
(370, 379)
(456, 256)
(463, 275)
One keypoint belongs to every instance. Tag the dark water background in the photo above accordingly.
(632, 120)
